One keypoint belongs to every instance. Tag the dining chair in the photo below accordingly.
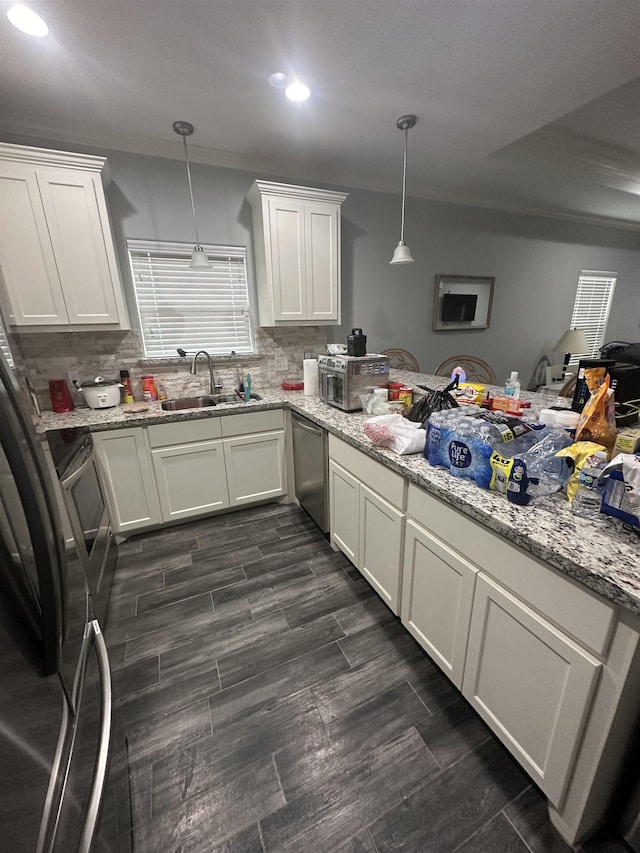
(475, 368)
(569, 387)
(401, 359)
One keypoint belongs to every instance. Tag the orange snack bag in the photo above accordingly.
(598, 419)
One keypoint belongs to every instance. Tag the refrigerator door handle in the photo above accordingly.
(100, 768)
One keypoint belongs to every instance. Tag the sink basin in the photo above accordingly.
(202, 402)
(233, 398)
(188, 403)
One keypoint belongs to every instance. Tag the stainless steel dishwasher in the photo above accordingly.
(310, 454)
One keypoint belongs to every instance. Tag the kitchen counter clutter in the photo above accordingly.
(601, 554)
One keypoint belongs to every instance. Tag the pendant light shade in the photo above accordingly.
(199, 259)
(402, 253)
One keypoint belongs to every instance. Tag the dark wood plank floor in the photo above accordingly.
(266, 700)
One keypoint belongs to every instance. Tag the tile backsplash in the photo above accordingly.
(84, 355)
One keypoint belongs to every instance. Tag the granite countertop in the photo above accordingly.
(601, 554)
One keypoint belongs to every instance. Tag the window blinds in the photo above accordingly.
(192, 309)
(591, 309)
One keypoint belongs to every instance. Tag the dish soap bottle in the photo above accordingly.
(512, 386)
(247, 388)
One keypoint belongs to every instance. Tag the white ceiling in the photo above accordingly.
(522, 104)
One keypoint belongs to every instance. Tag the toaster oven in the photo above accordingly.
(343, 378)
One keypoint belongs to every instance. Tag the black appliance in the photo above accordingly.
(581, 392)
(625, 381)
(356, 343)
(55, 686)
(459, 307)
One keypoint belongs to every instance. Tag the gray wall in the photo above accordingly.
(536, 261)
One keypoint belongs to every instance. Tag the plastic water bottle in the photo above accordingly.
(588, 499)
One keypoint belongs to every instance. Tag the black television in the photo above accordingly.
(459, 307)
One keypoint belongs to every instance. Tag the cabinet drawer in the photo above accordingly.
(576, 610)
(368, 471)
(184, 432)
(251, 422)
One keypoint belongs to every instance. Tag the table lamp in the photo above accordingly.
(572, 341)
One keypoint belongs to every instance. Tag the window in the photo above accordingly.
(591, 309)
(192, 309)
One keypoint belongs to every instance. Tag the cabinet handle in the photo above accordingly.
(316, 430)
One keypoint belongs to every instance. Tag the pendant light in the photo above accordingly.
(199, 259)
(402, 253)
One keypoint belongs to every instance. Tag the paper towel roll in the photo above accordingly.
(310, 376)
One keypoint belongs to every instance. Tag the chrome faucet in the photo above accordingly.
(214, 389)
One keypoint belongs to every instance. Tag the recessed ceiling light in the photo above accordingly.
(27, 21)
(278, 80)
(297, 91)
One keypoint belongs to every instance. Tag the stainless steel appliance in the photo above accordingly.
(343, 378)
(311, 466)
(55, 686)
(74, 459)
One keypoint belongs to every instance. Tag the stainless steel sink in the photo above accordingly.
(188, 403)
(202, 402)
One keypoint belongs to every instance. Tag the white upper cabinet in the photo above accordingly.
(57, 254)
(296, 236)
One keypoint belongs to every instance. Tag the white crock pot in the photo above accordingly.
(100, 393)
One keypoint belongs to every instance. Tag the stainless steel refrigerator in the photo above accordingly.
(55, 685)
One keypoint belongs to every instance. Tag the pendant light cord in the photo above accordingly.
(404, 181)
(193, 207)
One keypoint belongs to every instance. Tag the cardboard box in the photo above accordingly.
(628, 441)
(509, 405)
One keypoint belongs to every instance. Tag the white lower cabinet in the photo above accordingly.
(344, 509)
(191, 479)
(255, 467)
(124, 464)
(437, 597)
(179, 470)
(380, 545)
(530, 683)
(366, 527)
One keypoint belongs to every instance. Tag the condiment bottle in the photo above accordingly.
(149, 391)
(127, 392)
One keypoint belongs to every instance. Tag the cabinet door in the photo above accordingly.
(255, 467)
(437, 598)
(191, 479)
(127, 479)
(344, 511)
(286, 243)
(530, 683)
(27, 260)
(380, 546)
(322, 243)
(78, 234)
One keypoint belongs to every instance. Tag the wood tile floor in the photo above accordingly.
(268, 701)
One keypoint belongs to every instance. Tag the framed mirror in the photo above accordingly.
(462, 302)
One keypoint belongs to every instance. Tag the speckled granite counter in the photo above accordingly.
(600, 554)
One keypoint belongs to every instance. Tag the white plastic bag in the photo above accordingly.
(396, 433)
